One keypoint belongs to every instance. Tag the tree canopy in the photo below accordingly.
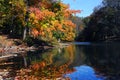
(46, 20)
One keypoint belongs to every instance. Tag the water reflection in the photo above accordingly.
(73, 55)
(84, 73)
(102, 59)
(105, 58)
(57, 56)
(51, 64)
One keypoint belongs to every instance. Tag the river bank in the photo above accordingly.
(10, 50)
(10, 45)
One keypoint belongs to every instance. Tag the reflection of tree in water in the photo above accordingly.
(59, 56)
(79, 56)
(51, 64)
(105, 58)
(41, 70)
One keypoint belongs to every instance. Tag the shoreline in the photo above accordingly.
(4, 74)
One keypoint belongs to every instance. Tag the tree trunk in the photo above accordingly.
(26, 20)
(24, 33)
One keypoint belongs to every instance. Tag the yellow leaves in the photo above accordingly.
(33, 19)
(52, 23)
(32, 15)
(44, 26)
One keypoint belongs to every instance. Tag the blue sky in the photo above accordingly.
(86, 6)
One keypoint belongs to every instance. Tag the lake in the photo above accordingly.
(78, 61)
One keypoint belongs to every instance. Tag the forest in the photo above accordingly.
(52, 21)
(41, 20)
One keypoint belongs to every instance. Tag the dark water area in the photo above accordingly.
(91, 61)
(104, 58)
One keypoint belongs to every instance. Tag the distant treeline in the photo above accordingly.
(103, 24)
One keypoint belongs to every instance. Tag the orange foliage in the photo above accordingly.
(64, 6)
(69, 23)
(38, 14)
(52, 71)
(38, 66)
(58, 26)
(47, 13)
(44, 73)
(52, 20)
(45, 4)
(35, 32)
(68, 12)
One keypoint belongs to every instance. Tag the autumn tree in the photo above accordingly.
(47, 20)
(50, 20)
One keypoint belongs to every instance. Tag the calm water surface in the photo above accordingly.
(91, 61)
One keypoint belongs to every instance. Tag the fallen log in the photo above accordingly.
(8, 56)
